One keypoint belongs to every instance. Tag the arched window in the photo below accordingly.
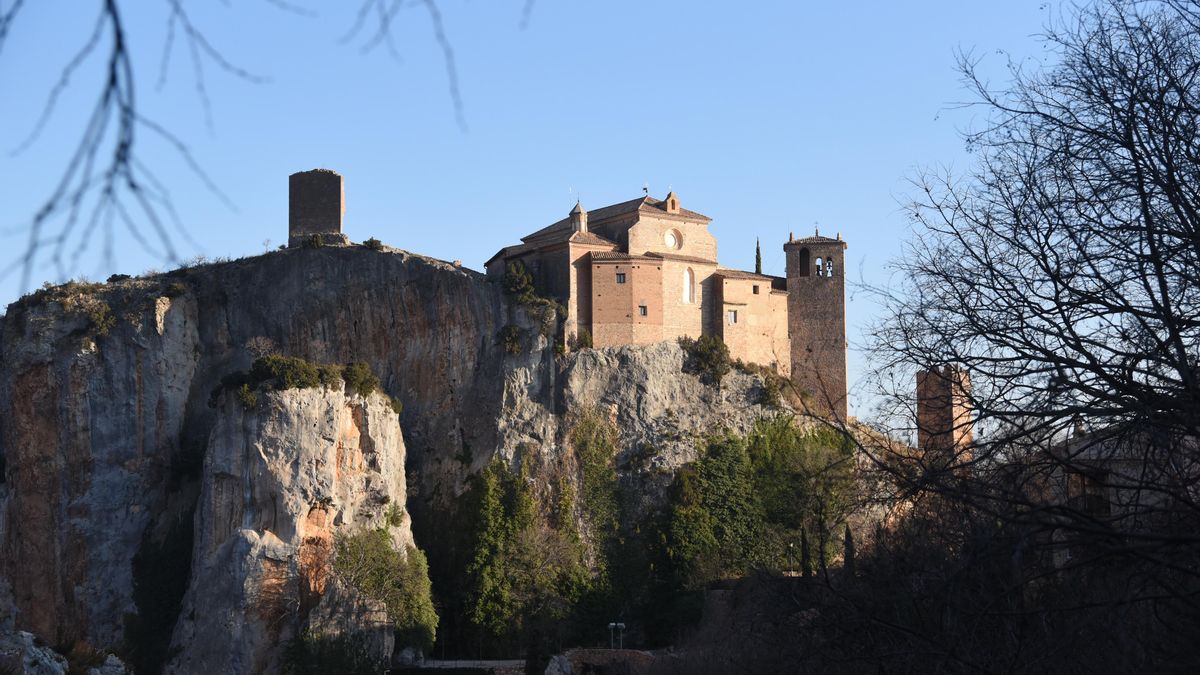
(805, 263)
(820, 268)
(689, 286)
(829, 267)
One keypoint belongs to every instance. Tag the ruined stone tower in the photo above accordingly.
(316, 204)
(944, 427)
(817, 321)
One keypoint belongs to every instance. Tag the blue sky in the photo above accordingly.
(769, 117)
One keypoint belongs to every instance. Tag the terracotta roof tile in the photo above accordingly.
(590, 238)
(815, 239)
(608, 256)
(681, 258)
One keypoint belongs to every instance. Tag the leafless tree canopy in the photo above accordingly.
(108, 187)
(1061, 275)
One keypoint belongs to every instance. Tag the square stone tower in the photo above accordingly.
(316, 204)
(944, 424)
(817, 321)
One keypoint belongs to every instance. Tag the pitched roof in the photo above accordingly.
(681, 258)
(742, 274)
(657, 207)
(645, 205)
(616, 255)
(815, 239)
(590, 238)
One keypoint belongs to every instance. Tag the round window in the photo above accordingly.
(672, 239)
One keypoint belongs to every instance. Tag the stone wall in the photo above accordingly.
(817, 322)
(760, 333)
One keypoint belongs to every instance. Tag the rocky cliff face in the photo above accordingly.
(280, 482)
(105, 416)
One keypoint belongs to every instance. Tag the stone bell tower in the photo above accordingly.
(816, 287)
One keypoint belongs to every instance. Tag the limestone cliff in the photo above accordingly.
(105, 417)
(105, 401)
(281, 480)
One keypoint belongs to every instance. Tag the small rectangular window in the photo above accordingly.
(732, 316)
(642, 310)
(620, 277)
(756, 289)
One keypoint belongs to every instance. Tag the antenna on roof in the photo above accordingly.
(646, 189)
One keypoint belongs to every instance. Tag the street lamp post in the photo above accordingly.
(620, 635)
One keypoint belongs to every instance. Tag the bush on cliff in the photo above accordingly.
(706, 357)
(280, 373)
(509, 337)
(368, 561)
(360, 379)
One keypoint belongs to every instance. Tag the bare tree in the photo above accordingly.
(1062, 276)
(108, 186)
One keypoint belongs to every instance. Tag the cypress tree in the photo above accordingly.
(805, 558)
(848, 555)
(757, 257)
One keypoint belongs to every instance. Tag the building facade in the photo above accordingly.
(646, 270)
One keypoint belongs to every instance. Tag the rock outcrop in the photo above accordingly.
(105, 418)
(281, 481)
(104, 402)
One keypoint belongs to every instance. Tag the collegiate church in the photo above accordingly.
(646, 270)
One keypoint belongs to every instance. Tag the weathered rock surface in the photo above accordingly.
(100, 434)
(96, 430)
(21, 653)
(280, 482)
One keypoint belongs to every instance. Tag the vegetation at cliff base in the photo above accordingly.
(556, 552)
(319, 654)
(160, 571)
(369, 562)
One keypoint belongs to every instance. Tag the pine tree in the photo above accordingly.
(757, 257)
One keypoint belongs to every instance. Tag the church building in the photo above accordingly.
(646, 270)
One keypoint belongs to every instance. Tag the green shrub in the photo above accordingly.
(595, 443)
(581, 340)
(518, 282)
(114, 278)
(510, 338)
(285, 372)
(769, 395)
(329, 375)
(247, 397)
(394, 516)
(368, 562)
(314, 241)
(175, 289)
(373, 244)
(707, 357)
(360, 379)
(100, 317)
(397, 405)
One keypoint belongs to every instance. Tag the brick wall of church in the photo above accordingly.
(617, 318)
